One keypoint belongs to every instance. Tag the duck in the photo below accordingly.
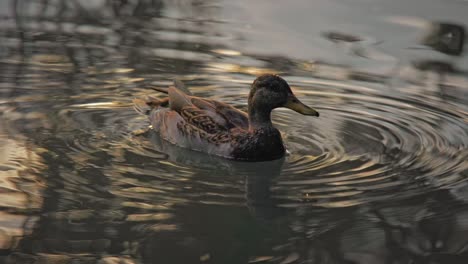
(219, 129)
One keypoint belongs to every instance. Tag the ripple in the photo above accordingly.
(83, 183)
(369, 147)
(371, 142)
(373, 147)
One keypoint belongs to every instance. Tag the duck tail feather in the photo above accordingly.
(181, 86)
(141, 106)
(145, 106)
(177, 84)
(160, 89)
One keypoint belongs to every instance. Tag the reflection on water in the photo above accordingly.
(380, 177)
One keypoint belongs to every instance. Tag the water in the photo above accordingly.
(380, 177)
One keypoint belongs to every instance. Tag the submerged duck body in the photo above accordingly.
(219, 129)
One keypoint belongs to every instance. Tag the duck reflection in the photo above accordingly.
(201, 227)
(258, 175)
(425, 229)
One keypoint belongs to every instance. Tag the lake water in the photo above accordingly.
(380, 177)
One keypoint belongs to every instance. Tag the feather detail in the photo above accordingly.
(220, 129)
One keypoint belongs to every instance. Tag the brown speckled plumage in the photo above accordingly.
(220, 129)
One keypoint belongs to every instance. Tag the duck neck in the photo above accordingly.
(259, 119)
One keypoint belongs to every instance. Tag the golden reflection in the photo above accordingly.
(234, 68)
(409, 21)
(21, 187)
(261, 259)
(43, 63)
(162, 227)
(339, 204)
(359, 181)
(141, 190)
(94, 70)
(181, 54)
(227, 52)
(205, 257)
(148, 217)
(123, 80)
(50, 59)
(332, 195)
(102, 105)
(146, 206)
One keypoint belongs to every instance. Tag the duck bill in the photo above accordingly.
(294, 104)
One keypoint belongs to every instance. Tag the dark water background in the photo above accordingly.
(380, 177)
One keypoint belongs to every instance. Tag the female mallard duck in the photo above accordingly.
(220, 129)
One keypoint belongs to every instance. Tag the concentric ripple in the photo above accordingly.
(373, 147)
(365, 147)
(369, 145)
(380, 175)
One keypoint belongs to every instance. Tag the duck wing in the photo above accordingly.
(206, 114)
(197, 113)
(226, 114)
(197, 123)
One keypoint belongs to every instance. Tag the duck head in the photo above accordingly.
(269, 92)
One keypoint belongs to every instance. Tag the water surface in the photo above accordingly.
(380, 177)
